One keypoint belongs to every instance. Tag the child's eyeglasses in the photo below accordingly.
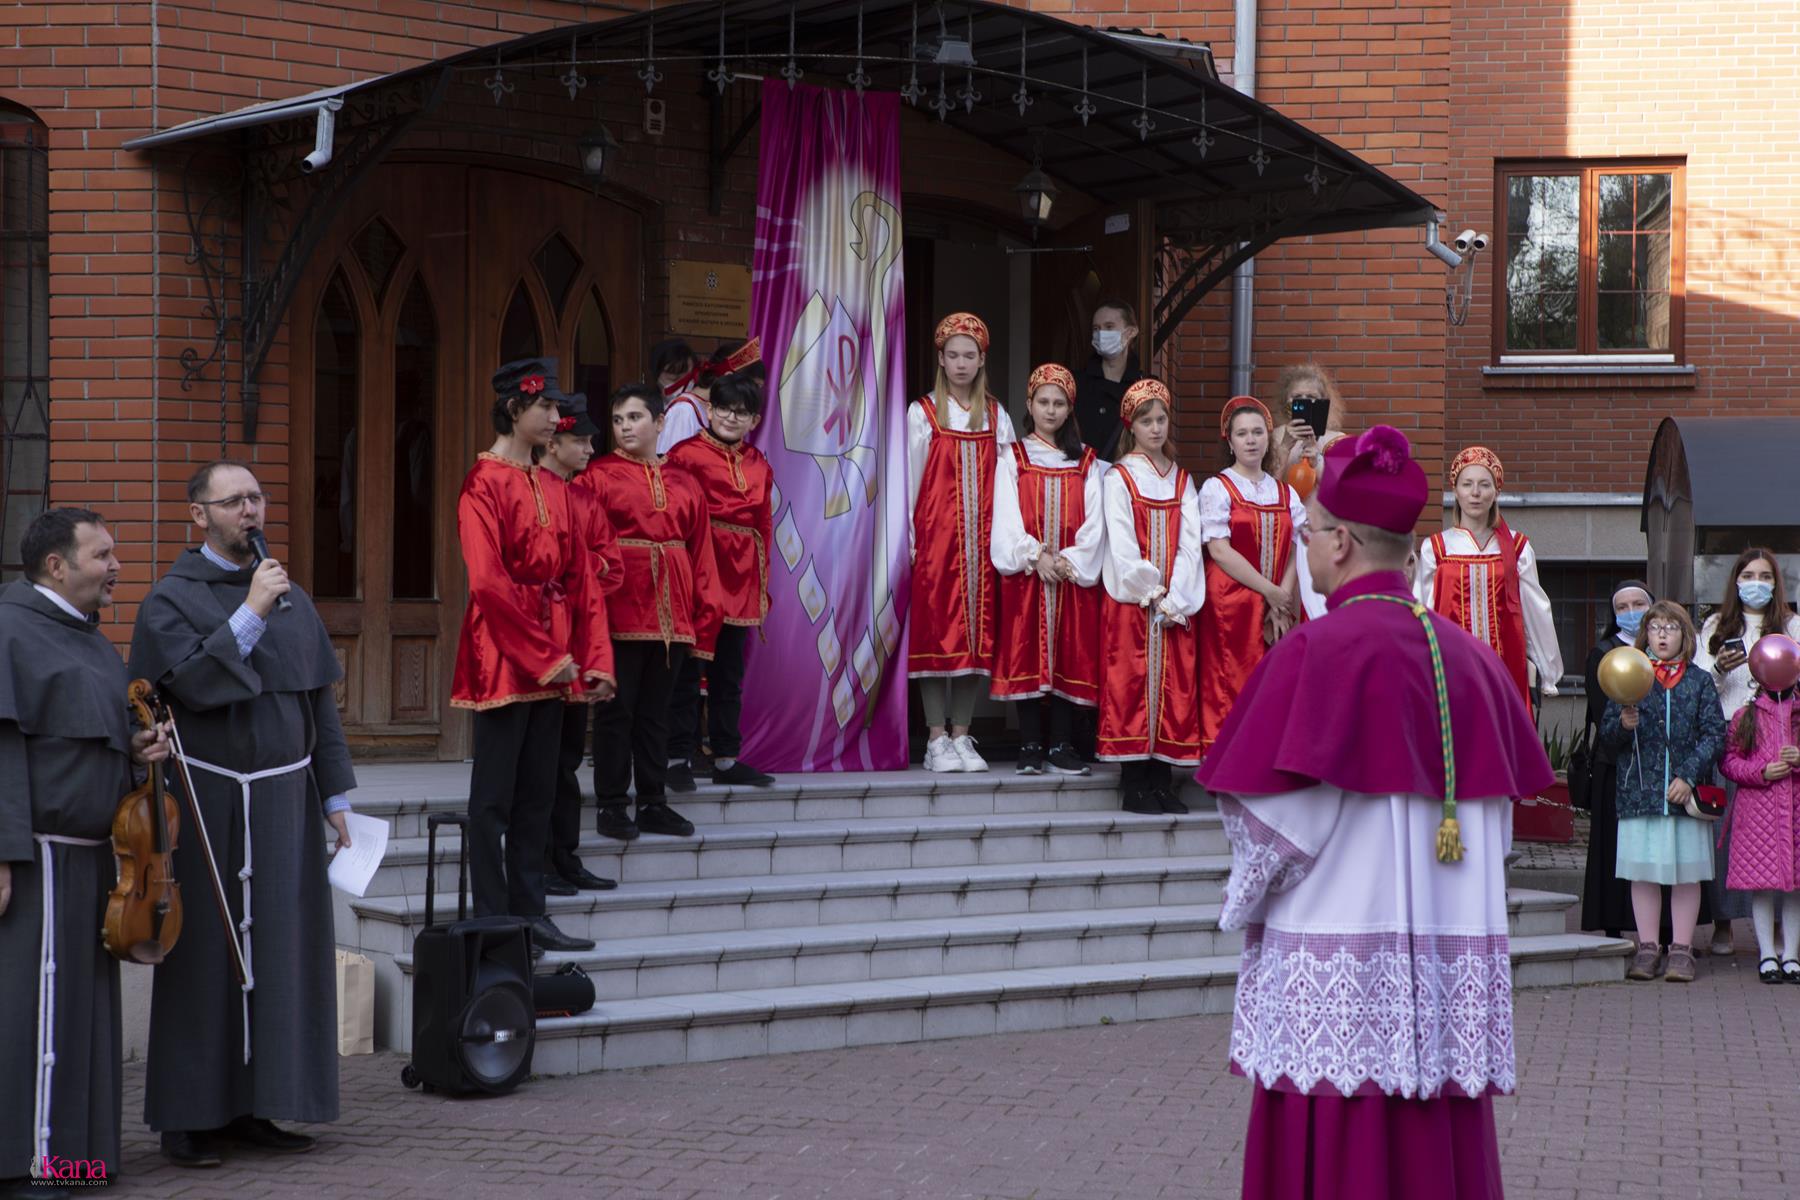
(1667, 630)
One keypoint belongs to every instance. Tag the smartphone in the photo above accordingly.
(1313, 412)
(1736, 644)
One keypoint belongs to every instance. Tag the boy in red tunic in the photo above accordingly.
(534, 633)
(571, 449)
(736, 480)
(665, 609)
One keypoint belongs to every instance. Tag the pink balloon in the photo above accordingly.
(1775, 662)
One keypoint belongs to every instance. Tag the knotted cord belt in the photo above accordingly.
(1449, 835)
(46, 1014)
(665, 611)
(244, 781)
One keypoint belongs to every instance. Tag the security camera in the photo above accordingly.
(1464, 241)
(1480, 242)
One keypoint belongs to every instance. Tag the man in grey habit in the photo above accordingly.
(66, 748)
(249, 684)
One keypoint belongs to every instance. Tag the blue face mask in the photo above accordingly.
(1756, 595)
(1629, 621)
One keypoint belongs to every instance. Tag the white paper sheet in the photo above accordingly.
(353, 867)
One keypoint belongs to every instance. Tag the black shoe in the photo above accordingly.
(660, 818)
(615, 822)
(1031, 759)
(190, 1149)
(1143, 801)
(742, 774)
(545, 933)
(264, 1134)
(556, 885)
(585, 880)
(1171, 803)
(680, 778)
(1062, 760)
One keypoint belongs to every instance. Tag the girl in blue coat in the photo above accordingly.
(1666, 746)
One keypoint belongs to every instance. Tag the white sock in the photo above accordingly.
(1762, 915)
(1790, 925)
(678, 762)
(724, 764)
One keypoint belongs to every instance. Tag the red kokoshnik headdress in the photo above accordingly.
(1478, 456)
(1238, 404)
(1053, 373)
(961, 324)
(1139, 394)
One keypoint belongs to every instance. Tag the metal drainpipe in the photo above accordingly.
(1243, 280)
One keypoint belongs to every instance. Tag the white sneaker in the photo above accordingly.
(941, 755)
(965, 750)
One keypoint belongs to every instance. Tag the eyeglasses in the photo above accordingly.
(1665, 630)
(253, 499)
(736, 414)
(1306, 533)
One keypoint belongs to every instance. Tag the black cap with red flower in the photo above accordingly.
(526, 378)
(572, 412)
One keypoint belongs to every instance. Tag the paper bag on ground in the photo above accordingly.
(355, 1003)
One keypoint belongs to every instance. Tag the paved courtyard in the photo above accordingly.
(1617, 1081)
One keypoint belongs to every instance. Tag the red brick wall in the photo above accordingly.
(1658, 77)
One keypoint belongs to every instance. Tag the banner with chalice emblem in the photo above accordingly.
(825, 686)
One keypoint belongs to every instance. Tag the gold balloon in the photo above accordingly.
(1626, 675)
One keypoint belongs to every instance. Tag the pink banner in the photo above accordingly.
(825, 690)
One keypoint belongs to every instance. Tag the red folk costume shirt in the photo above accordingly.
(1467, 579)
(1259, 520)
(669, 583)
(597, 534)
(534, 597)
(951, 474)
(736, 481)
(1149, 706)
(1048, 636)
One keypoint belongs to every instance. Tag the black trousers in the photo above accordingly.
(511, 790)
(724, 699)
(1145, 773)
(631, 733)
(565, 813)
(1031, 721)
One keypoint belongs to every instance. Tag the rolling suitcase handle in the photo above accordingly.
(461, 821)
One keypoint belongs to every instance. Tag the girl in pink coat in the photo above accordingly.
(1760, 756)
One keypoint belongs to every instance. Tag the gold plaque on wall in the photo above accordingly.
(709, 299)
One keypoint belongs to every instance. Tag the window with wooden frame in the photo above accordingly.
(1589, 266)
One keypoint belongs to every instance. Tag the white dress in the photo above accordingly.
(1541, 649)
(1013, 550)
(1368, 965)
(1128, 574)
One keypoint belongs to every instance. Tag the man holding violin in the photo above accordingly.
(247, 669)
(66, 749)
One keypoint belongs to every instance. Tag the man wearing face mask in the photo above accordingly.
(1101, 384)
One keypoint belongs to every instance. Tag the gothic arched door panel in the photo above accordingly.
(429, 278)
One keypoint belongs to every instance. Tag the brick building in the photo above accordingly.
(118, 260)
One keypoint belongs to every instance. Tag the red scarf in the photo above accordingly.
(1669, 673)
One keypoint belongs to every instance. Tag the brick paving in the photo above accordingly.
(1616, 1080)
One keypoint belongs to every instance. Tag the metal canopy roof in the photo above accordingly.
(1725, 471)
(1218, 164)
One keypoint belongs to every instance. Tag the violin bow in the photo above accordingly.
(206, 850)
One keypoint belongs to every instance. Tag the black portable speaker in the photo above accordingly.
(474, 1019)
(566, 993)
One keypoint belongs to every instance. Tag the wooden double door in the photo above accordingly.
(433, 275)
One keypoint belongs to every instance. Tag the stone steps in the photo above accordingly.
(852, 909)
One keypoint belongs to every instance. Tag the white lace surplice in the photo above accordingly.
(1369, 966)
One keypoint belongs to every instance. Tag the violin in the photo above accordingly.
(143, 914)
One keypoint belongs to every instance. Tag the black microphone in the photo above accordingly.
(260, 544)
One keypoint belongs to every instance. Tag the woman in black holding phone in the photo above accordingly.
(1755, 603)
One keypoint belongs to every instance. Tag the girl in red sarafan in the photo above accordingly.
(1149, 710)
(1483, 576)
(951, 440)
(1048, 539)
(737, 482)
(1248, 519)
(666, 608)
(534, 632)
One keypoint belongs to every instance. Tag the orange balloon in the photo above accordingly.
(1302, 478)
(1626, 675)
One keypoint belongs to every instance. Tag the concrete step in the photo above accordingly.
(386, 925)
(404, 794)
(633, 968)
(708, 1026)
(854, 844)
